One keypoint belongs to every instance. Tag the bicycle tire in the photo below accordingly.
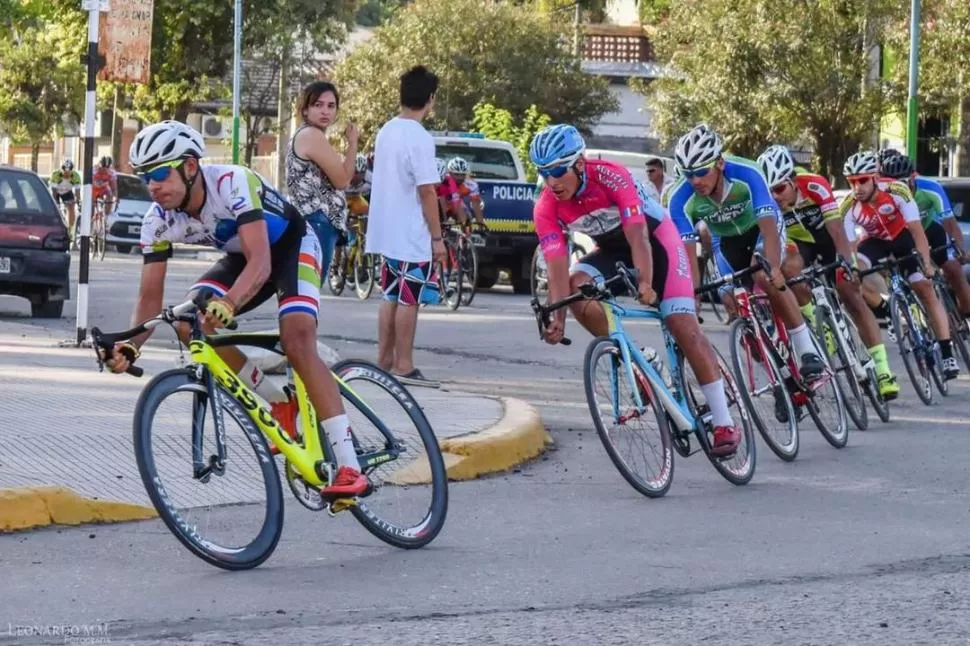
(430, 526)
(597, 348)
(787, 452)
(958, 324)
(468, 259)
(936, 368)
(839, 436)
(852, 396)
(234, 558)
(454, 276)
(337, 277)
(732, 392)
(871, 383)
(710, 274)
(917, 370)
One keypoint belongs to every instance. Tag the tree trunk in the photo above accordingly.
(283, 110)
(963, 140)
(34, 155)
(117, 127)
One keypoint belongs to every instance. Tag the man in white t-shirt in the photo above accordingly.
(403, 224)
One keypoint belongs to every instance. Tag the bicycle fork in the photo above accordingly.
(841, 331)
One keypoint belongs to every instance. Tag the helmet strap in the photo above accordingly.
(189, 183)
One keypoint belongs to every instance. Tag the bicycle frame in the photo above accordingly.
(675, 403)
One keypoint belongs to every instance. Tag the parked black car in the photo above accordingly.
(34, 259)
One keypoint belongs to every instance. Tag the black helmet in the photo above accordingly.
(897, 167)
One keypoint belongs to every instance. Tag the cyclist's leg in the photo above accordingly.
(596, 267)
(675, 287)
(786, 306)
(944, 259)
(725, 293)
(296, 277)
(798, 255)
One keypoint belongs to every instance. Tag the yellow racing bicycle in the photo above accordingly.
(232, 473)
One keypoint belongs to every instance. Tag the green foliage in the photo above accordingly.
(42, 80)
(507, 55)
(653, 12)
(944, 56)
(373, 13)
(496, 123)
(759, 76)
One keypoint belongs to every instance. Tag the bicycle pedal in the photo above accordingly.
(339, 505)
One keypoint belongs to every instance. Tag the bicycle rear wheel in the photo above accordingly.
(161, 445)
(959, 330)
(841, 362)
(468, 259)
(739, 468)
(409, 502)
(913, 360)
(364, 274)
(769, 402)
(870, 385)
(452, 279)
(608, 387)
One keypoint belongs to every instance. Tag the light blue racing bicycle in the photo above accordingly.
(624, 390)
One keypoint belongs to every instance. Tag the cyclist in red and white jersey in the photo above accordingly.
(459, 171)
(601, 199)
(888, 214)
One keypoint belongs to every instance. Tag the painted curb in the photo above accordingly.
(33, 507)
(517, 437)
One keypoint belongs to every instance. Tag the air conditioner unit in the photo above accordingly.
(214, 127)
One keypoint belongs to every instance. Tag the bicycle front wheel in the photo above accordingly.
(243, 495)
(959, 330)
(364, 273)
(763, 391)
(841, 361)
(825, 403)
(409, 502)
(468, 258)
(913, 357)
(636, 440)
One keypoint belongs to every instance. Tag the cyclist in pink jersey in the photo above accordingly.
(601, 199)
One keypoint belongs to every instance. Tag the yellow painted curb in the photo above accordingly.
(517, 437)
(42, 506)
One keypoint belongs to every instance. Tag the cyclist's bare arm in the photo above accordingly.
(254, 240)
(956, 235)
(151, 291)
(922, 244)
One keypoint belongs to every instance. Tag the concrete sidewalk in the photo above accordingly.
(69, 427)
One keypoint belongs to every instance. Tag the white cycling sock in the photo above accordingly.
(802, 341)
(255, 378)
(338, 434)
(717, 400)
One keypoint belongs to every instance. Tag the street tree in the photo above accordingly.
(496, 123)
(759, 76)
(507, 55)
(41, 83)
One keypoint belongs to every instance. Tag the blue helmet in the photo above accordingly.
(558, 145)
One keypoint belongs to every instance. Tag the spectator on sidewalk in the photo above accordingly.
(315, 173)
(657, 176)
(403, 224)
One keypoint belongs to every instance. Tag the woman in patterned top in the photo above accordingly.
(315, 173)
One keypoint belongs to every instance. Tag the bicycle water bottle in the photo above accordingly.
(650, 354)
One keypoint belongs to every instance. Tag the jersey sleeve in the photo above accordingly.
(675, 198)
(818, 189)
(618, 185)
(938, 194)
(474, 193)
(552, 240)
(904, 202)
(847, 213)
(240, 190)
(763, 205)
(155, 241)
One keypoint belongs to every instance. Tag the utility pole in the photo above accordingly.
(912, 103)
(236, 78)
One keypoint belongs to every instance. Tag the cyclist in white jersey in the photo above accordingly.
(270, 249)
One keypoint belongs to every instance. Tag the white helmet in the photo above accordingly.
(442, 167)
(360, 163)
(458, 166)
(164, 142)
(861, 163)
(698, 148)
(777, 164)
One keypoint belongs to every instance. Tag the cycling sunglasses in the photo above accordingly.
(859, 180)
(555, 172)
(159, 173)
(699, 172)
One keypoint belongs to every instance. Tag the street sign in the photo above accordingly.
(126, 42)
(96, 5)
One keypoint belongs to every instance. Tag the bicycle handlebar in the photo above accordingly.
(186, 312)
(587, 291)
(810, 273)
(761, 264)
(891, 261)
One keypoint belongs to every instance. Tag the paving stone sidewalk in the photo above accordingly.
(66, 424)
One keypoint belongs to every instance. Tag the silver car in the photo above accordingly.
(123, 228)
